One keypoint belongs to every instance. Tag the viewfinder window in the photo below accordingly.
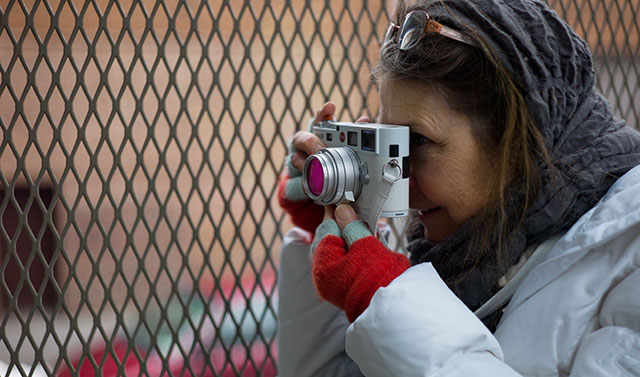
(368, 140)
(352, 138)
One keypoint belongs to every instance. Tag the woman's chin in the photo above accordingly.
(436, 226)
(432, 238)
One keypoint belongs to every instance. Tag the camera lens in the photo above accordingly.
(315, 177)
(333, 175)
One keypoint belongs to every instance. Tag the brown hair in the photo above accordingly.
(475, 83)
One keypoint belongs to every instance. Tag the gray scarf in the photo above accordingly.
(589, 147)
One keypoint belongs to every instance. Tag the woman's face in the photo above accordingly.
(449, 168)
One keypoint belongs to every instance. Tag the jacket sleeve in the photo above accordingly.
(311, 332)
(614, 349)
(417, 327)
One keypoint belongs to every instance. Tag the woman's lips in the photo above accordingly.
(425, 214)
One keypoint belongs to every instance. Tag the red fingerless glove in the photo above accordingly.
(348, 273)
(304, 212)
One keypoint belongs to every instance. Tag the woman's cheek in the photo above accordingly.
(413, 182)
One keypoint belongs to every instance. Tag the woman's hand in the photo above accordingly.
(304, 143)
(291, 196)
(349, 263)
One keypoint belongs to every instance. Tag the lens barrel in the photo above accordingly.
(333, 175)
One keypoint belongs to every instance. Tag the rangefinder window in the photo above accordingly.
(352, 138)
(368, 140)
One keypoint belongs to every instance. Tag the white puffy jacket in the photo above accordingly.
(577, 313)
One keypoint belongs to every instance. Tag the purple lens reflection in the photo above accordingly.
(315, 177)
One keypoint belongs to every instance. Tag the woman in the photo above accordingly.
(524, 258)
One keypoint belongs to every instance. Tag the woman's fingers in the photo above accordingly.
(325, 113)
(298, 159)
(344, 214)
(363, 119)
(306, 142)
(329, 212)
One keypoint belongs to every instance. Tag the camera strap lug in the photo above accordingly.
(391, 173)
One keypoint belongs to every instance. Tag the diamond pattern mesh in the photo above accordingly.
(141, 143)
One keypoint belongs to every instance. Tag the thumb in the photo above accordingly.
(344, 215)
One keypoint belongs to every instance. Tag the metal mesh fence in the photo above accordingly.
(141, 143)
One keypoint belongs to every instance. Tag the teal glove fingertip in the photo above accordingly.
(326, 228)
(355, 231)
(294, 191)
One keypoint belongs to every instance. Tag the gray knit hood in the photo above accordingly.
(589, 147)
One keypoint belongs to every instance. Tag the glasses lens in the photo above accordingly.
(412, 29)
(315, 177)
(390, 33)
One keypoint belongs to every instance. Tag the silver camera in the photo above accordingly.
(362, 162)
